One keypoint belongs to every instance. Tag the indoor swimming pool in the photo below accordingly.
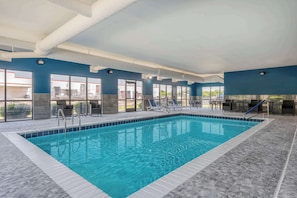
(121, 159)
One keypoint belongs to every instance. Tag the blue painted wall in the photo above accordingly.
(41, 74)
(148, 87)
(110, 81)
(281, 80)
(194, 89)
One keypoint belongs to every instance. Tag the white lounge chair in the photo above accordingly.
(175, 105)
(153, 106)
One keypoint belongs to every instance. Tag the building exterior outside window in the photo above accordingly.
(209, 94)
(76, 90)
(15, 95)
(183, 95)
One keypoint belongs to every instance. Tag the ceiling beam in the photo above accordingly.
(89, 56)
(101, 10)
(79, 7)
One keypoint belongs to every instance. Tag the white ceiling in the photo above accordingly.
(196, 37)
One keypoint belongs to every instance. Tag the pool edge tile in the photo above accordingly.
(36, 156)
(207, 158)
(150, 191)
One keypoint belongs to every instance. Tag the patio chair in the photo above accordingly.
(67, 109)
(176, 105)
(227, 105)
(95, 108)
(288, 107)
(192, 103)
(153, 106)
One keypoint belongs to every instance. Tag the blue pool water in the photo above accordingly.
(121, 159)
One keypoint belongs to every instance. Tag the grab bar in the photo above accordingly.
(79, 122)
(60, 111)
(254, 107)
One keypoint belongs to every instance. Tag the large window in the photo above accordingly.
(162, 93)
(183, 94)
(169, 92)
(156, 91)
(75, 90)
(78, 94)
(15, 95)
(121, 95)
(78, 88)
(139, 96)
(2, 96)
(209, 94)
(130, 95)
(94, 89)
(60, 87)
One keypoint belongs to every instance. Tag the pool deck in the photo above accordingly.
(254, 168)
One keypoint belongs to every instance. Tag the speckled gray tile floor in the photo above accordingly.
(21, 178)
(289, 185)
(252, 169)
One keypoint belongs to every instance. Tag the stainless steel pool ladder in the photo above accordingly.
(60, 111)
(79, 122)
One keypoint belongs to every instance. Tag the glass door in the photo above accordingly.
(130, 96)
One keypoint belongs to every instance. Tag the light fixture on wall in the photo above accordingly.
(109, 71)
(146, 76)
(262, 73)
(96, 68)
(40, 61)
(149, 77)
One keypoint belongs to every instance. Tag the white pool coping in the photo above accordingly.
(77, 186)
(172, 180)
(71, 182)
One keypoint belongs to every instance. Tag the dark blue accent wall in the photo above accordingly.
(281, 80)
(194, 90)
(148, 87)
(110, 81)
(198, 87)
(41, 74)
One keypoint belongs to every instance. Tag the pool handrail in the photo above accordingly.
(60, 111)
(79, 122)
(254, 107)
